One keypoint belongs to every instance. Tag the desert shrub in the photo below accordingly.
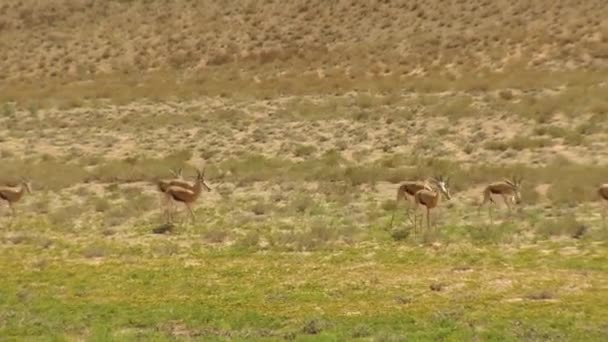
(551, 130)
(366, 101)
(138, 168)
(572, 183)
(455, 107)
(215, 235)
(321, 230)
(315, 326)
(308, 110)
(520, 143)
(8, 110)
(52, 174)
(96, 249)
(100, 204)
(492, 234)
(360, 175)
(400, 233)
(564, 226)
(361, 331)
(304, 150)
(260, 206)
(254, 168)
(506, 94)
(251, 239)
(496, 145)
(389, 205)
(301, 203)
(64, 217)
(570, 137)
(165, 248)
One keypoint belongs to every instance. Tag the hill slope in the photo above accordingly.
(255, 40)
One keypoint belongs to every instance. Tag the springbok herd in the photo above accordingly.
(423, 193)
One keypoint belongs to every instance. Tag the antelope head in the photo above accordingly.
(200, 177)
(515, 183)
(442, 185)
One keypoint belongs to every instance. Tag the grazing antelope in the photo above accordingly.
(430, 198)
(508, 189)
(14, 194)
(188, 193)
(602, 191)
(406, 191)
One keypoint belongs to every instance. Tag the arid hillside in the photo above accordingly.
(306, 116)
(292, 45)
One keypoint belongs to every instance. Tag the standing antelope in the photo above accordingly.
(14, 194)
(188, 193)
(406, 191)
(602, 191)
(430, 198)
(508, 189)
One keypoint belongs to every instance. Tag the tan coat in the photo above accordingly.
(410, 188)
(188, 193)
(602, 191)
(14, 194)
(508, 190)
(430, 198)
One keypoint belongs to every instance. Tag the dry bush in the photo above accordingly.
(304, 151)
(572, 183)
(133, 169)
(266, 62)
(215, 235)
(570, 137)
(50, 174)
(520, 143)
(565, 226)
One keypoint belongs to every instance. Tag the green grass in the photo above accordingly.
(381, 292)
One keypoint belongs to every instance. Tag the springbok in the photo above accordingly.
(12, 195)
(406, 192)
(430, 198)
(188, 193)
(508, 189)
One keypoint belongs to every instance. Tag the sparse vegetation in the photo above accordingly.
(306, 117)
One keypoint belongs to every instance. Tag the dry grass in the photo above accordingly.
(306, 116)
(84, 50)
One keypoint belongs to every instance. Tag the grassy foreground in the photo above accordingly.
(167, 287)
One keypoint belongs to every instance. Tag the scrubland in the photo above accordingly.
(306, 115)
